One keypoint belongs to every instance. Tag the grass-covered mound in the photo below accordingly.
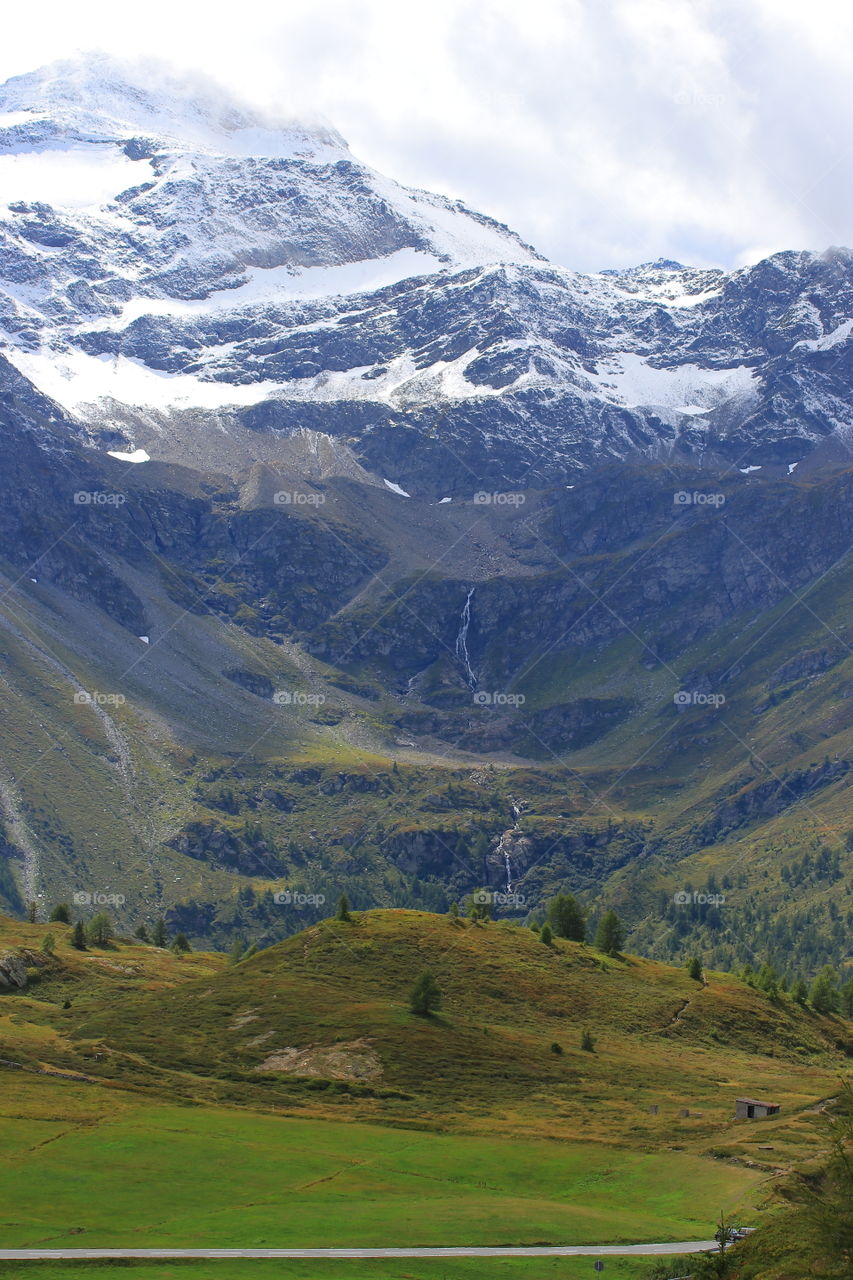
(323, 1021)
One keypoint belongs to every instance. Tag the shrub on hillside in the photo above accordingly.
(610, 937)
(343, 912)
(99, 931)
(566, 918)
(425, 996)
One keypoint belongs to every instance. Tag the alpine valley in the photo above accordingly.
(349, 545)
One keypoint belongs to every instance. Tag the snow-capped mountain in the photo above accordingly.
(179, 272)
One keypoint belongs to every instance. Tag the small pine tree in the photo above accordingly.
(99, 932)
(181, 946)
(142, 934)
(694, 968)
(799, 992)
(480, 905)
(566, 918)
(545, 935)
(161, 938)
(60, 914)
(425, 997)
(235, 955)
(824, 995)
(587, 1043)
(768, 981)
(454, 910)
(847, 998)
(32, 912)
(48, 944)
(610, 936)
(342, 912)
(78, 936)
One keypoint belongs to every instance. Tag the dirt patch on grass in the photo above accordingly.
(352, 1060)
(250, 1015)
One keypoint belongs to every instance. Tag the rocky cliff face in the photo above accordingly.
(447, 566)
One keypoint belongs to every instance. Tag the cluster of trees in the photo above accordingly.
(822, 867)
(795, 938)
(826, 994)
(566, 919)
(255, 915)
(100, 932)
(240, 952)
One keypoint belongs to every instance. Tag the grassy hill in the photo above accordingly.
(321, 1022)
(294, 1098)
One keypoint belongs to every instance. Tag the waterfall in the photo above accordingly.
(462, 641)
(502, 850)
(506, 841)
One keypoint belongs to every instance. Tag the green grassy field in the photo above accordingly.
(486, 1063)
(104, 1169)
(191, 1127)
(288, 1269)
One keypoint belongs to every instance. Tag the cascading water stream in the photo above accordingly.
(506, 841)
(462, 641)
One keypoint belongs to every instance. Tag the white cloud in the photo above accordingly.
(604, 131)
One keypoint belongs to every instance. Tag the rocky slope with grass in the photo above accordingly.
(447, 568)
(558, 1036)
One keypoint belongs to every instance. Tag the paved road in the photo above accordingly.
(537, 1251)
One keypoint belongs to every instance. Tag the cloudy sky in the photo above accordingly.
(606, 132)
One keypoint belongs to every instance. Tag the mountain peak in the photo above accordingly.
(95, 97)
(660, 265)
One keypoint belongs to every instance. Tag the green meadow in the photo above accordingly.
(142, 1175)
(351, 1269)
(185, 1127)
